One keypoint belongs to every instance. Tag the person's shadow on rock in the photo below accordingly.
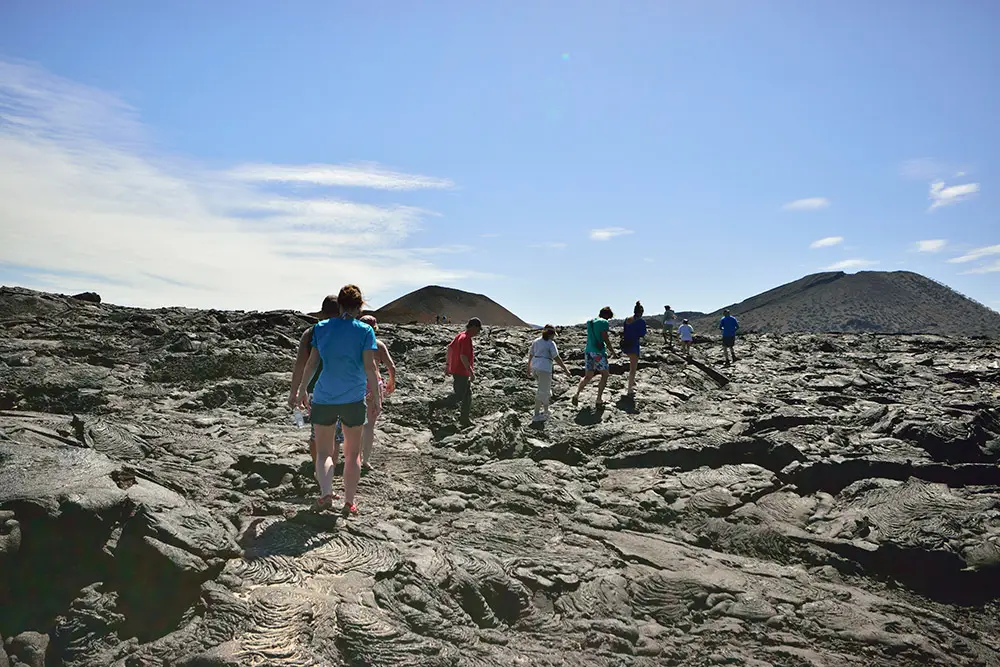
(589, 416)
(294, 536)
(627, 404)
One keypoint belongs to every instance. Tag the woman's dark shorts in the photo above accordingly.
(728, 341)
(349, 414)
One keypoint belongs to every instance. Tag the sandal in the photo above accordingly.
(325, 502)
(349, 510)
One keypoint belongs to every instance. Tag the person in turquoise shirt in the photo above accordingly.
(347, 348)
(596, 354)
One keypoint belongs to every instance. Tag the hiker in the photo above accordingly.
(632, 332)
(541, 354)
(458, 364)
(347, 348)
(328, 310)
(686, 333)
(596, 354)
(669, 320)
(728, 324)
(382, 356)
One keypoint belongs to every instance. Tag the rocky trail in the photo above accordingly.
(832, 500)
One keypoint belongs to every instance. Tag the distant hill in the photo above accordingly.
(424, 304)
(876, 301)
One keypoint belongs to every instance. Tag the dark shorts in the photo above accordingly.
(728, 341)
(349, 414)
(630, 346)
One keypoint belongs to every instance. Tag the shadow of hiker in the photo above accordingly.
(298, 534)
(589, 416)
(627, 404)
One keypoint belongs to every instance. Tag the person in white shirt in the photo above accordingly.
(541, 354)
(686, 332)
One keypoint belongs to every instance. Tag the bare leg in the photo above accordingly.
(601, 385)
(352, 461)
(583, 383)
(633, 364)
(368, 436)
(325, 459)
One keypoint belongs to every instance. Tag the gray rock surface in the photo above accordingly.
(835, 502)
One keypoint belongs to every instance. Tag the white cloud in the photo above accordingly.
(808, 204)
(930, 245)
(607, 233)
(977, 253)
(88, 204)
(548, 246)
(985, 268)
(953, 194)
(827, 242)
(363, 176)
(848, 264)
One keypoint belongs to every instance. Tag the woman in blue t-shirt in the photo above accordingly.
(347, 348)
(634, 330)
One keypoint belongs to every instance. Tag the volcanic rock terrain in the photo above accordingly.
(832, 500)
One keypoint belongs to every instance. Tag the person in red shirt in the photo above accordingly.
(460, 367)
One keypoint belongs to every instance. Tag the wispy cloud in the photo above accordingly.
(360, 176)
(953, 194)
(976, 253)
(848, 264)
(606, 233)
(808, 204)
(927, 169)
(993, 267)
(930, 245)
(548, 246)
(827, 242)
(88, 203)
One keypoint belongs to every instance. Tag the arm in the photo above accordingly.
(303, 389)
(531, 349)
(607, 342)
(465, 362)
(562, 364)
(390, 364)
(300, 364)
(371, 370)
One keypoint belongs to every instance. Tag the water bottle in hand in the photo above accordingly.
(300, 419)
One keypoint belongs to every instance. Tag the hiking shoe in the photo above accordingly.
(366, 468)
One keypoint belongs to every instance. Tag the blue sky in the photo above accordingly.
(557, 156)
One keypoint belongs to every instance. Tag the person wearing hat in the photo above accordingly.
(382, 357)
(541, 355)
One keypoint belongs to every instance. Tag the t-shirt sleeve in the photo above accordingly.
(466, 347)
(642, 327)
(370, 343)
(601, 326)
(555, 350)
